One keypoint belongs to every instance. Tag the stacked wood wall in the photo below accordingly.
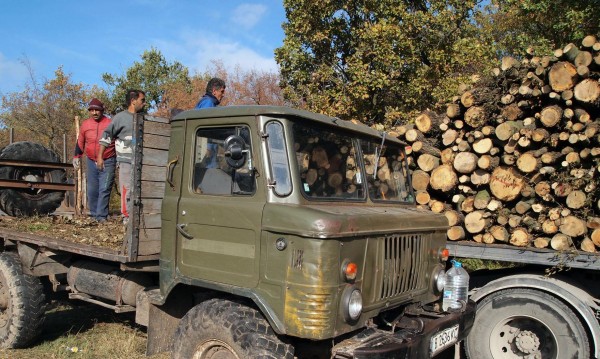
(516, 157)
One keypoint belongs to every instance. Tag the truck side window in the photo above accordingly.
(278, 158)
(211, 174)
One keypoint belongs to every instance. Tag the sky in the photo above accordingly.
(89, 38)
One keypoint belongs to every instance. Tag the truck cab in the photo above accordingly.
(311, 221)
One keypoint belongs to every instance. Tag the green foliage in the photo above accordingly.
(378, 61)
(473, 264)
(542, 25)
(152, 75)
(44, 113)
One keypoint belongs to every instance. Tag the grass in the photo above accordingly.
(80, 330)
(473, 264)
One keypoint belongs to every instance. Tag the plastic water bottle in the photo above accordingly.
(456, 287)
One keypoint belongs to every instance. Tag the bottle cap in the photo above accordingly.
(456, 264)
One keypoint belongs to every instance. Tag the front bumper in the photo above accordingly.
(411, 343)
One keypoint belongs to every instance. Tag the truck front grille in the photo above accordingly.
(404, 264)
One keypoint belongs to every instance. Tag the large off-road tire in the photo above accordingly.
(223, 329)
(526, 323)
(22, 304)
(27, 202)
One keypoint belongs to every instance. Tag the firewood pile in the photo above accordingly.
(515, 158)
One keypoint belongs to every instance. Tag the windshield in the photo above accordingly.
(330, 165)
(327, 163)
(387, 171)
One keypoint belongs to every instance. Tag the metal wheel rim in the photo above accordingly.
(215, 349)
(33, 175)
(504, 339)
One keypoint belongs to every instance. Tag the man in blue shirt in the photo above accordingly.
(215, 90)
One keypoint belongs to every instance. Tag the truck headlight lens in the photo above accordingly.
(352, 303)
(439, 279)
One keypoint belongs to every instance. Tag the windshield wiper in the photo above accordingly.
(378, 154)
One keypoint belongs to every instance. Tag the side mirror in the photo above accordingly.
(235, 155)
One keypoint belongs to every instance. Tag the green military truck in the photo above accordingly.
(256, 231)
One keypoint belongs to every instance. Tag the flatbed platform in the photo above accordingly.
(530, 255)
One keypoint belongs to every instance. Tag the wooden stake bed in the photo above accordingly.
(63, 245)
(140, 241)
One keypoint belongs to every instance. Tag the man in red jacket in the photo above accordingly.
(99, 181)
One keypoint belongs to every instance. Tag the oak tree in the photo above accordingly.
(378, 61)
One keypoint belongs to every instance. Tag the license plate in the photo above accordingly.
(443, 340)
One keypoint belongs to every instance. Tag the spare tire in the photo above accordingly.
(27, 202)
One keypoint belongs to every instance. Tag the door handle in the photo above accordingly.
(170, 168)
(180, 229)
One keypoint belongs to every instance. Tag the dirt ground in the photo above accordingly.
(82, 230)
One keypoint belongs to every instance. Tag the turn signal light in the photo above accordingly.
(444, 254)
(350, 269)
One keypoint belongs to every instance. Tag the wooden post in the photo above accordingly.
(79, 175)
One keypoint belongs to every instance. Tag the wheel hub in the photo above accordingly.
(215, 349)
(527, 342)
(520, 338)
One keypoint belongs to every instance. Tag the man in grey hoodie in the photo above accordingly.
(121, 131)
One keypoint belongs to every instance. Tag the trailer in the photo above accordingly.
(546, 306)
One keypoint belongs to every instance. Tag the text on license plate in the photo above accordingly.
(443, 339)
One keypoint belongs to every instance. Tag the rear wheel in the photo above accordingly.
(22, 304)
(526, 323)
(223, 329)
(28, 202)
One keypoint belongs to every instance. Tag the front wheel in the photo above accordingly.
(526, 323)
(223, 329)
(22, 304)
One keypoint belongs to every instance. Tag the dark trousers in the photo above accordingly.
(99, 185)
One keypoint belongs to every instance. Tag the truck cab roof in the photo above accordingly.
(261, 110)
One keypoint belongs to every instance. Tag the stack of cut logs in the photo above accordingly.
(516, 157)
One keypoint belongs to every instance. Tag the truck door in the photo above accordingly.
(220, 210)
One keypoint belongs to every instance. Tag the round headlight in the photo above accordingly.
(440, 280)
(352, 304)
(355, 304)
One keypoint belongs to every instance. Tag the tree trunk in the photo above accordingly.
(428, 121)
(520, 237)
(550, 116)
(506, 184)
(443, 178)
(475, 116)
(587, 246)
(541, 242)
(455, 218)
(499, 233)
(420, 180)
(422, 197)
(465, 162)
(572, 226)
(562, 76)
(561, 242)
(588, 91)
(576, 199)
(475, 222)
(456, 233)
(428, 162)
